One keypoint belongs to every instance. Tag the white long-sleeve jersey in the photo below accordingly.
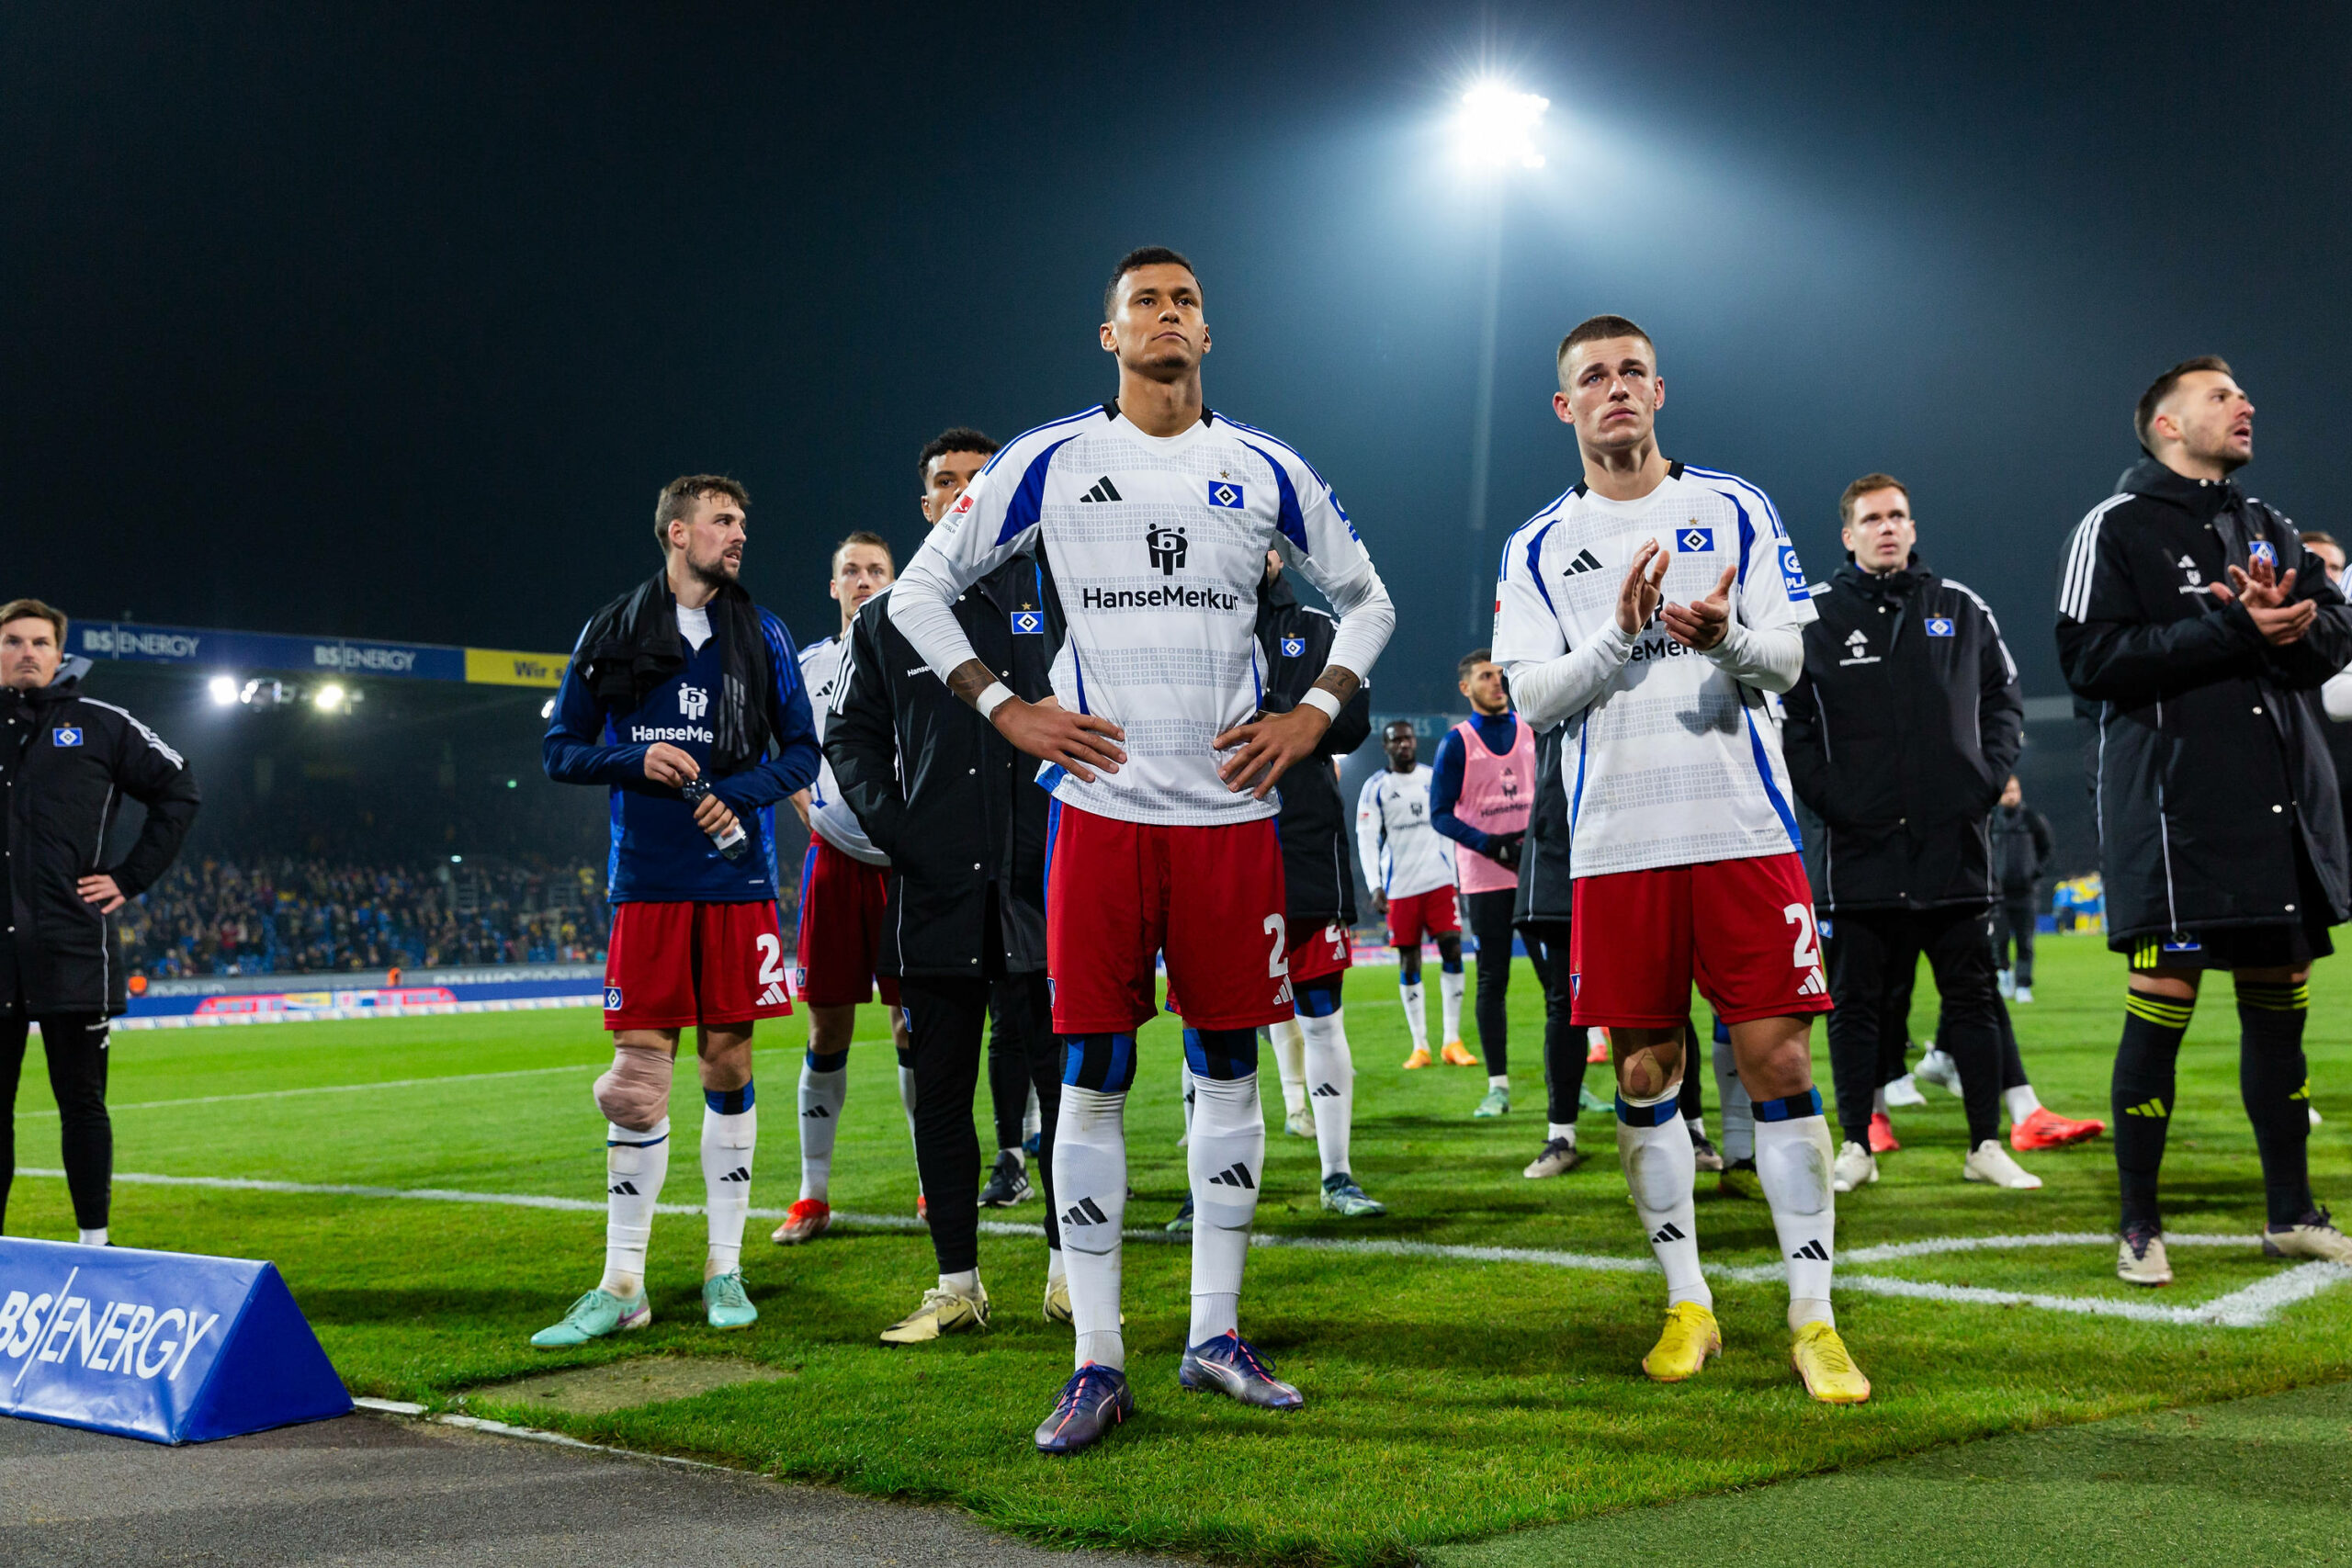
(830, 817)
(1157, 546)
(1399, 848)
(1671, 757)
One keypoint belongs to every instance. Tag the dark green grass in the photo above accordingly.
(1448, 1401)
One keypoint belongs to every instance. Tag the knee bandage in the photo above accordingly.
(633, 1092)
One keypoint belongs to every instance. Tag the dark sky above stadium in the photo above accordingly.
(390, 321)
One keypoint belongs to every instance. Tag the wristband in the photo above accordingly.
(1322, 702)
(995, 697)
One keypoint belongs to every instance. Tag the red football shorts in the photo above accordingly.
(1421, 917)
(1329, 950)
(842, 901)
(1740, 929)
(677, 965)
(1119, 894)
(1326, 950)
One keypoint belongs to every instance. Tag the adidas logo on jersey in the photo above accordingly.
(1815, 985)
(1324, 1092)
(773, 996)
(1103, 490)
(1665, 1232)
(1234, 1175)
(1085, 1211)
(623, 1189)
(739, 1173)
(816, 1113)
(1856, 639)
(1586, 561)
(1812, 1252)
(2186, 564)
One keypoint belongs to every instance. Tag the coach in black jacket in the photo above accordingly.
(960, 815)
(1900, 735)
(66, 763)
(2198, 628)
(1319, 889)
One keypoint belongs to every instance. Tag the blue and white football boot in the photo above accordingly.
(1228, 1364)
(1094, 1400)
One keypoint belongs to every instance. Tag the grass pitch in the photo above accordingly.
(1449, 1399)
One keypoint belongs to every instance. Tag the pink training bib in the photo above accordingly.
(1498, 794)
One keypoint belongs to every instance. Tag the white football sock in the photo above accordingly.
(2021, 1101)
(1184, 1084)
(1450, 984)
(1738, 1111)
(1567, 1132)
(822, 1095)
(1331, 1084)
(1661, 1169)
(1498, 1080)
(635, 1165)
(1878, 1101)
(1414, 1019)
(727, 1143)
(1227, 1158)
(1032, 1120)
(1290, 1061)
(93, 1238)
(1091, 1185)
(966, 1284)
(1792, 1161)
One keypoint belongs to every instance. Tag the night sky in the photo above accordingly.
(390, 321)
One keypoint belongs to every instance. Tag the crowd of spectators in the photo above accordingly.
(219, 916)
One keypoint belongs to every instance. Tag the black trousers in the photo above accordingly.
(1008, 1032)
(1547, 950)
(1867, 954)
(2013, 920)
(75, 1047)
(944, 1017)
(1489, 916)
(2012, 1064)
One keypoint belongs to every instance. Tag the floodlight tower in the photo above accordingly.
(1494, 133)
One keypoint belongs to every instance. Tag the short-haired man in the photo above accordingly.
(1409, 865)
(683, 698)
(1686, 862)
(842, 896)
(2022, 845)
(2197, 628)
(1153, 514)
(1907, 713)
(966, 927)
(1481, 788)
(66, 763)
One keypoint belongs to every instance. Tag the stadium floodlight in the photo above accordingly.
(1496, 127)
(1494, 133)
(328, 698)
(223, 689)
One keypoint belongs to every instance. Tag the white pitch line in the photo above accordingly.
(2246, 1308)
(394, 1083)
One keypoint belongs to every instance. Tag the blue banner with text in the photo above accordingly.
(164, 1345)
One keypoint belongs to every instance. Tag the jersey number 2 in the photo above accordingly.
(771, 959)
(1277, 961)
(1808, 950)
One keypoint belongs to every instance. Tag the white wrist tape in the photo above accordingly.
(1321, 701)
(995, 697)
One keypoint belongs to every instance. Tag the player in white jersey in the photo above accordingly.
(841, 898)
(1154, 514)
(1409, 865)
(1651, 609)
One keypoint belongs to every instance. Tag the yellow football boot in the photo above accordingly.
(1457, 1054)
(1828, 1370)
(1691, 1336)
(1420, 1058)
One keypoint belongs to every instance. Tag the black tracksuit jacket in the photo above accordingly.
(1546, 891)
(66, 762)
(2021, 844)
(2210, 764)
(1319, 871)
(955, 807)
(1900, 736)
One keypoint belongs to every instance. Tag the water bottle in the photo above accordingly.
(730, 839)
